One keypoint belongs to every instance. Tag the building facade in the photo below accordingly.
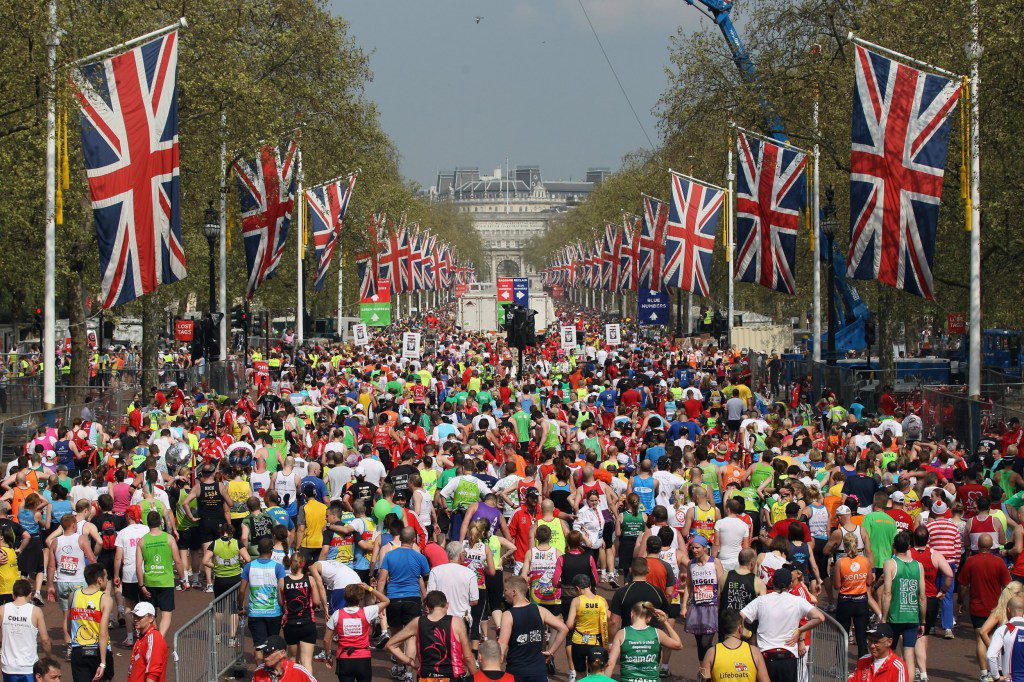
(509, 211)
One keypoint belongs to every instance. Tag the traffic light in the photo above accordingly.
(519, 326)
(869, 331)
(37, 320)
(239, 318)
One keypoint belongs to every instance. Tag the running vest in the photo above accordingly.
(85, 612)
(905, 606)
(557, 536)
(543, 563)
(817, 522)
(704, 579)
(158, 569)
(591, 626)
(315, 514)
(737, 592)
(644, 489)
(466, 493)
(70, 559)
(476, 558)
(733, 665)
(440, 650)
(211, 504)
(353, 631)
(226, 562)
(639, 654)
(20, 639)
(703, 522)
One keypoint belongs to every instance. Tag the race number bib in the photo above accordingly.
(352, 627)
(68, 565)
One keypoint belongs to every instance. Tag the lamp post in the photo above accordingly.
(211, 228)
(828, 226)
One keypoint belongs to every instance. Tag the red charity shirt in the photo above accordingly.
(987, 575)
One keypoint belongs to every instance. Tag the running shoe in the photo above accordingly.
(209, 588)
(572, 676)
(948, 634)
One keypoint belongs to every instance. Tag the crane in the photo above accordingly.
(853, 313)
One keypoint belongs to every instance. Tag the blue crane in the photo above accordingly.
(852, 314)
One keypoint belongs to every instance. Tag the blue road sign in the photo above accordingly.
(521, 290)
(652, 308)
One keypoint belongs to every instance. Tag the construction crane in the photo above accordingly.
(850, 310)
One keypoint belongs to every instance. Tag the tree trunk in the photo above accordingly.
(152, 317)
(885, 321)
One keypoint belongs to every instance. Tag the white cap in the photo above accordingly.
(898, 497)
(843, 509)
(143, 608)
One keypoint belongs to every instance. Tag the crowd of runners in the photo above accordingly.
(595, 513)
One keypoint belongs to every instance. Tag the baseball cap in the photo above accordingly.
(532, 492)
(898, 497)
(143, 608)
(843, 509)
(783, 578)
(273, 643)
(880, 630)
(596, 655)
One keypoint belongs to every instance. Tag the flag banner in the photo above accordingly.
(567, 334)
(900, 139)
(629, 254)
(521, 290)
(651, 244)
(770, 194)
(328, 204)
(411, 345)
(266, 194)
(366, 271)
(393, 260)
(608, 258)
(375, 314)
(652, 308)
(690, 234)
(129, 127)
(360, 335)
(612, 334)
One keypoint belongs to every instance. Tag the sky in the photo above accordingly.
(528, 81)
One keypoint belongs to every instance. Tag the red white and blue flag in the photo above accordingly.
(327, 206)
(366, 261)
(900, 140)
(651, 245)
(629, 254)
(266, 195)
(770, 194)
(393, 260)
(129, 128)
(690, 234)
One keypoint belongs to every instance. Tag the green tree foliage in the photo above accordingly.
(801, 51)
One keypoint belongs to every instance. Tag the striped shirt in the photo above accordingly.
(1006, 651)
(944, 537)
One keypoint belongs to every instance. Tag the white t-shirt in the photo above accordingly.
(777, 614)
(337, 575)
(668, 483)
(127, 539)
(337, 478)
(371, 470)
(731, 533)
(458, 583)
(83, 492)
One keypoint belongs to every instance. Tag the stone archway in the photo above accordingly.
(508, 268)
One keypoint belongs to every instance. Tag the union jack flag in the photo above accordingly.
(651, 245)
(629, 256)
(690, 234)
(900, 141)
(266, 194)
(327, 207)
(366, 262)
(129, 128)
(393, 260)
(769, 198)
(609, 259)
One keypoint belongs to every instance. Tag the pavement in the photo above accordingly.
(948, 659)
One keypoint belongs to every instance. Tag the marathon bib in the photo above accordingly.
(68, 565)
(352, 627)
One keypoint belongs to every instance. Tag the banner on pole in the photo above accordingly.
(521, 290)
(557, 291)
(612, 334)
(381, 295)
(956, 323)
(568, 337)
(360, 335)
(504, 297)
(652, 307)
(184, 330)
(460, 289)
(411, 349)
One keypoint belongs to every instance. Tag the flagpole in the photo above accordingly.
(50, 287)
(974, 341)
(341, 277)
(180, 23)
(730, 175)
(222, 293)
(299, 303)
(816, 242)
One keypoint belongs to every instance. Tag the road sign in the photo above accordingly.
(461, 289)
(956, 323)
(184, 330)
(411, 345)
(375, 314)
(505, 290)
(360, 334)
(557, 291)
(568, 337)
(612, 334)
(521, 290)
(382, 295)
(652, 308)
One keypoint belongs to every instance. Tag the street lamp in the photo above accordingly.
(211, 228)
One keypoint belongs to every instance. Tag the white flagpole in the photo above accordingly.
(299, 303)
(815, 207)
(222, 293)
(50, 287)
(730, 174)
(974, 361)
(341, 276)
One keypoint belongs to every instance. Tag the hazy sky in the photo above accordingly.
(528, 81)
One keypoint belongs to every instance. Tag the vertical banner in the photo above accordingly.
(568, 337)
(612, 334)
(652, 307)
(411, 348)
(504, 297)
(557, 291)
(360, 335)
(375, 311)
(521, 290)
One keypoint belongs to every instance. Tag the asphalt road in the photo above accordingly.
(948, 660)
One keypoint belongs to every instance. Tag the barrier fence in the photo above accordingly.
(828, 656)
(210, 644)
(947, 410)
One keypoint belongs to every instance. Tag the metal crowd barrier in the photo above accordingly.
(828, 656)
(210, 644)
